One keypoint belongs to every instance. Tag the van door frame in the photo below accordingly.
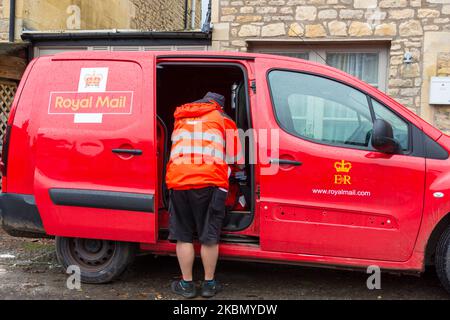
(179, 61)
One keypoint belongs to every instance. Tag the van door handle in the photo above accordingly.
(135, 152)
(285, 162)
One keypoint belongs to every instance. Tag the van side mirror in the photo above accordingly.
(383, 137)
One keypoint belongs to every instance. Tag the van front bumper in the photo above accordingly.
(19, 215)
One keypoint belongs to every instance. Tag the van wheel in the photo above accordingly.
(100, 261)
(442, 259)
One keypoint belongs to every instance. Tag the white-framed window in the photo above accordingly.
(45, 51)
(42, 51)
(368, 62)
(149, 48)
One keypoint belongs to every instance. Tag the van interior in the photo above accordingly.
(180, 83)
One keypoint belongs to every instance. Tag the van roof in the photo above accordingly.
(108, 55)
(225, 54)
(124, 55)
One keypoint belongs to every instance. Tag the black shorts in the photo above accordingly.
(199, 211)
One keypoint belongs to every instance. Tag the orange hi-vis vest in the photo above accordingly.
(199, 157)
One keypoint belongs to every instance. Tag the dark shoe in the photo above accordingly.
(210, 288)
(185, 289)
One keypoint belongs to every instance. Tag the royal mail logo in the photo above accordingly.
(112, 102)
(91, 106)
(342, 169)
(93, 80)
(342, 166)
(91, 101)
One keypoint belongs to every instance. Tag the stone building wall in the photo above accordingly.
(57, 15)
(165, 15)
(4, 21)
(159, 15)
(403, 22)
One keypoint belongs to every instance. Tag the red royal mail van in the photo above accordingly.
(337, 173)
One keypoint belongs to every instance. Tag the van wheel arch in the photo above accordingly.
(442, 259)
(433, 240)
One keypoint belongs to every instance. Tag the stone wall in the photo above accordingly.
(159, 15)
(57, 15)
(54, 15)
(4, 21)
(402, 22)
(165, 15)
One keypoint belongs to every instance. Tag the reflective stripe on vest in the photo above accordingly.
(186, 146)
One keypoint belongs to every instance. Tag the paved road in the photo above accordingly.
(29, 270)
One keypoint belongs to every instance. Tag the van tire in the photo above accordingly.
(100, 261)
(442, 259)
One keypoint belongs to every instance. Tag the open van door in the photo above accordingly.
(95, 148)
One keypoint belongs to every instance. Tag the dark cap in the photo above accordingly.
(213, 96)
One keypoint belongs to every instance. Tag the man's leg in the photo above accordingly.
(210, 254)
(208, 206)
(181, 227)
(186, 256)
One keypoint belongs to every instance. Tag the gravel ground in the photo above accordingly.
(29, 270)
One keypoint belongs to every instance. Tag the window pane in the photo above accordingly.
(320, 109)
(361, 65)
(399, 126)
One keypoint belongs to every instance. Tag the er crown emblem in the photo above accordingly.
(342, 166)
(93, 80)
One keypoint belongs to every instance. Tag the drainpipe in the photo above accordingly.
(185, 14)
(12, 20)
